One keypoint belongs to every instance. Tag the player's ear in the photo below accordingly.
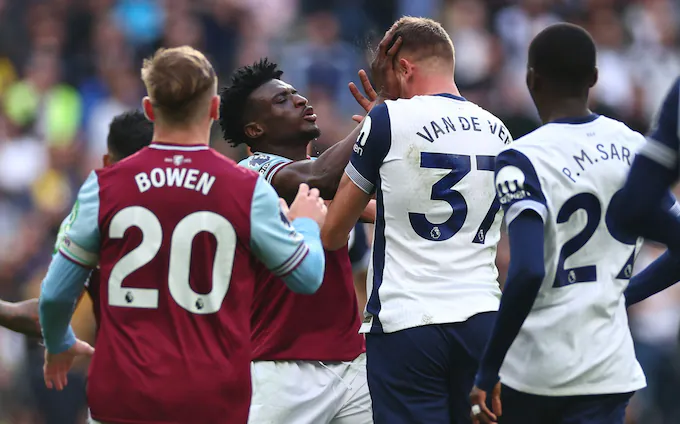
(253, 130)
(595, 77)
(215, 108)
(531, 79)
(147, 107)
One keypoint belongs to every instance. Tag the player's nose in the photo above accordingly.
(300, 101)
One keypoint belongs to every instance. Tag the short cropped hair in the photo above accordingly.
(129, 132)
(177, 81)
(423, 37)
(565, 54)
(234, 98)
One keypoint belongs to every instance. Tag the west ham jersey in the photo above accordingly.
(576, 340)
(290, 326)
(430, 160)
(176, 231)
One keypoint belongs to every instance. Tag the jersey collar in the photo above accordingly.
(181, 147)
(451, 96)
(271, 154)
(576, 119)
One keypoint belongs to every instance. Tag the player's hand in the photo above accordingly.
(308, 204)
(382, 67)
(57, 366)
(367, 102)
(480, 413)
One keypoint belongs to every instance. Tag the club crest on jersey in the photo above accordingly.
(510, 184)
(177, 160)
(258, 159)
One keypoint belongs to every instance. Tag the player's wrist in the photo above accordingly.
(486, 380)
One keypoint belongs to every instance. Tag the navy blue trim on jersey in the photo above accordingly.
(451, 96)
(373, 305)
(372, 145)
(517, 185)
(525, 276)
(576, 119)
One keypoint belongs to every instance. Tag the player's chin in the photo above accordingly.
(311, 130)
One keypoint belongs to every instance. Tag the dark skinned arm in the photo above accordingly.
(324, 173)
(21, 317)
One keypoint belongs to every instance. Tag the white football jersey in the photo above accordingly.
(430, 161)
(576, 340)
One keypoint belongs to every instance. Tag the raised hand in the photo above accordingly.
(308, 204)
(366, 102)
(382, 67)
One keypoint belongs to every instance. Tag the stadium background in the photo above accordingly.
(68, 66)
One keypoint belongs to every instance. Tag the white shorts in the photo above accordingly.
(307, 392)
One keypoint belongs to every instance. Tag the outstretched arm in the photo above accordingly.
(324, 173)
(21, 317)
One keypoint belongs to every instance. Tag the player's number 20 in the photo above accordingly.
(460, 166)
(179, 261)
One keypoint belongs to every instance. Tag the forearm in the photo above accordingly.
(327, 169)
(307, 276)
(521, 288)
(21, 317)
(661, 274)
(368, 215)
(61, 290)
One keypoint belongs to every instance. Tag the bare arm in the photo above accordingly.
(368, 215)
(349, 204)
(324, 173)
(21, 317)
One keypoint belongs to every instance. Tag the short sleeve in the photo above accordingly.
(273, 239)
(266, 165)
(81, 240)
(517, 186)
(664, 139)
(370, 149)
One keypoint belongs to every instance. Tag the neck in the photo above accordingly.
(435, 84)
(191, 135)
(291, 151)
(564, 108)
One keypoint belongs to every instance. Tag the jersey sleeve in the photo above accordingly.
(371, 147)
(664, 139)
(292, 251)
(266, 165)
(517, 186)
(82, 239)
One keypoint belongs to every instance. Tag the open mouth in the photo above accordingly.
(309, 115)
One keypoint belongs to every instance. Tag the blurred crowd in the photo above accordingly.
(68, 66)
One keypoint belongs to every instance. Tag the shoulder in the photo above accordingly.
(263, 163)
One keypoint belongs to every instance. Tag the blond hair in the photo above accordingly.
(423, 38)
(179, 82)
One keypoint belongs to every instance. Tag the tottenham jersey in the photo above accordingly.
(576, 339)
(429, 160)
